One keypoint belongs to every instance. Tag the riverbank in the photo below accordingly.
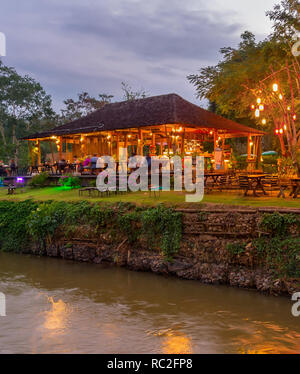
(247, 248)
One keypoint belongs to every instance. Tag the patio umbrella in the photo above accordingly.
(270, 153)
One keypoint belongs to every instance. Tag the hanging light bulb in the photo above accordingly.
(288, 108)
(257, 113)
(284, 127)
(264, 121)
(252, 106)
(275, 87)
(280, 97)
(261, 107)
(276, 131)
(281, 131)
(258, 100)
(294, 117)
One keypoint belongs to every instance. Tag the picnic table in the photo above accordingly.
(255, 182)
(213, 176)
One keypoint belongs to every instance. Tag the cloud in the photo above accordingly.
(70, 45)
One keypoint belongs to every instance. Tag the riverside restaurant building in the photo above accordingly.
(164, 125)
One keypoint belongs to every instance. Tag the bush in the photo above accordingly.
(40, 180)
(70, 181)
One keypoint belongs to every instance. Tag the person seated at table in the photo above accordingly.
(62, 164)
(13, 167)
(87, 162)
(94, 160)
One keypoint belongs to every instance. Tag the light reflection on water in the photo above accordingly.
(56, 306)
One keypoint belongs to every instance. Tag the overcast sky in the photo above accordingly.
(71, 46)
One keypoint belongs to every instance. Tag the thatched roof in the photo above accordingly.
(151, 111)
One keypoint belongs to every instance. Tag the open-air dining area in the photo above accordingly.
(161, 127)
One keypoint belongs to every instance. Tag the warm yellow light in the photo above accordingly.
(257, 113)
(281, 131)
(251, 144)
(280, 97)
(258, 100)
(252, 106)
(285, 128)
(82, 139)
(288, 108)
(275, 87)
(294, 117)
(264, 121)
(211, 132)
(108, 136)
(150, 133)
(53, 137)
(180, 129)
(129, 136)
(261, 107)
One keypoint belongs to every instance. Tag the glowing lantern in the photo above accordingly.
(252, 106)
(294, 117)
(275, 87)
(288, 108)
(280, 97)
(257, 113)
(261, 107)
(264, 121)
(281, 131)
(258, 100)
(276, 131)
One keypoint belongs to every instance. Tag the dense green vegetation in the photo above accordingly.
(278, 249)
(28, 223)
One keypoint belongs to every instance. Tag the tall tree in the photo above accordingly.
(84, 105)
(129, 94)
(245, 77)
(24, 108)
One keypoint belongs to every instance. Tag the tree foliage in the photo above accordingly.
(24, 108)
(84, 105)
(248, 72)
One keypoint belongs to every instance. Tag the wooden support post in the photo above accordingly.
(249, 148)
(118, 147)
(51, 148)
(182, 142)
(39, 152)
(60, 148)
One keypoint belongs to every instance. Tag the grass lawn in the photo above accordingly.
(143, 198)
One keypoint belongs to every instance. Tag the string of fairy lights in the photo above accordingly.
(260, 107)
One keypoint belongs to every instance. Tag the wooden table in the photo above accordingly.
(214, 176)
(255, 183)
(295, 187)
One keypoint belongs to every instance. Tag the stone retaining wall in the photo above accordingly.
(203, 254)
